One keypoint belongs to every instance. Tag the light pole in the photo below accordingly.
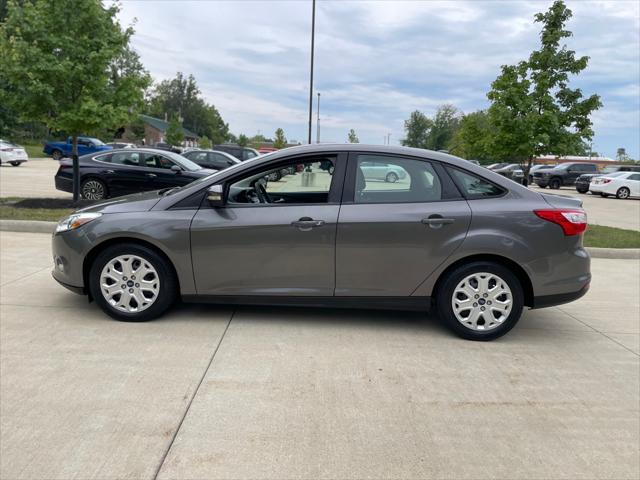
(313, 34)
(318, 121)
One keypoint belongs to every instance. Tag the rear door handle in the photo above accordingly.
(307, 223)
(434, 221)
(151, 175)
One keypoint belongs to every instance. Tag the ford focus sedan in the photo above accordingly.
(448, 235)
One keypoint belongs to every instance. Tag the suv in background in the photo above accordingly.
(241, 153)
(583, 181)
(563, 174)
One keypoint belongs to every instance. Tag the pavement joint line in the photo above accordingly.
(193, 396)
(25, 276)
(601, 333)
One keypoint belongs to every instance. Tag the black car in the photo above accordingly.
(583, 181)
(167, 146)
(211, 159)
(563, 174)
(131, 170)
(241, 153)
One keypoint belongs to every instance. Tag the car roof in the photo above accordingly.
(210, 150)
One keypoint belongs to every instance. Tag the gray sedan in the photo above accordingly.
(447, 235)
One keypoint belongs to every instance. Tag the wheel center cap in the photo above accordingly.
(481, 301)
(129, 283)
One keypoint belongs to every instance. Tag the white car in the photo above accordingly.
(621, 184)
(12, 154)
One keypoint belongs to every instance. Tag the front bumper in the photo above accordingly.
(69, 250)
(541, 181)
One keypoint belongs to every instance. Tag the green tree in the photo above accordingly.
(533, 111)
(205, 143)
(444, 126)
(280, 140)
(352, 137)
(243, 140)
(417, 129)
(621, 154)
(71, 79)
(182, 96)
(472, 140)
(174, 134)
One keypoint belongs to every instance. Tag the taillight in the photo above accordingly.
(573, 222)
(605, 180)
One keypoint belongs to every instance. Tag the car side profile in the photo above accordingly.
(564, 174)
(452, 236)
(211, 159)
(86, 146)
(130, 170)
(620, 184)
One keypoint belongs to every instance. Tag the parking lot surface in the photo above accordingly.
(221, 392)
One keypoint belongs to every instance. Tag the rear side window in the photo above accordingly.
(126, 158)
(635, 176)
(382, 179)
(473, 186)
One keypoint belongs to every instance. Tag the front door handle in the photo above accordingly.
(436, 221)
(151, 175)
(108, 172)
(307, 223)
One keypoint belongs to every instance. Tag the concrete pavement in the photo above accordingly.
(215, 392)
(32, 179)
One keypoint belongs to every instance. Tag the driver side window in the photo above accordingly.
(306, 180)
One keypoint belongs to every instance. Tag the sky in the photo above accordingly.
(377, 61)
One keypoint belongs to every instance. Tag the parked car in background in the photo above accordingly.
(454, 236)
(86, 145)
(583, 181)
(621, 184)
(536, 168)
(494, 166)
(265, 150)
(211, 159)
(373, 169)
(475, 162)
(241, 153)
(120, 145)
(131, 170)
(167, 147)
(512, 171)
(13, 154)
(564, 174)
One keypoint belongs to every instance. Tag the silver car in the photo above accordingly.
(449, 235)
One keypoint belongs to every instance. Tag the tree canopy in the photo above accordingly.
(280, 140)
(181, 96)
(174, 134)
(432, 133)
(352, 137)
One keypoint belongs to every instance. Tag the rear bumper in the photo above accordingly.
(64, 184)
(582, 186)
(559, 299)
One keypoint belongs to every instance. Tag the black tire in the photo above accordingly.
(168, 289)
(555, 183)
(93, 189)
(604, 195)
(15, 164)
(446, 289)
(391, 177)
(623, 193)
(57, 155)
(581, 190)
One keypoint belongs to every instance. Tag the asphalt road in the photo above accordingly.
(248, 393)
(35, 179)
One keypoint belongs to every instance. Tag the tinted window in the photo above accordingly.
(635, 176)
(473, 186)
(125, 158)
(382, 179)
(198, 157)
(157, 161)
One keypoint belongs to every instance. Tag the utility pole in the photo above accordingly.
(313, 34)
(318, 121)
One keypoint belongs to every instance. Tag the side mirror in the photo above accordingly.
(215, 196)
(176, 169)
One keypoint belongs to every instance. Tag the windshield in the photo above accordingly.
(183, 162)
(96, 142)
(563, 166)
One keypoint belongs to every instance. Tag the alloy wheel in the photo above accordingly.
(129, 283)
(93, 190)
(623, 193)
(482, 301)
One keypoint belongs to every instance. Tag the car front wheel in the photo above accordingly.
(391, 177)
(555, 184)
(623, 193)
(132, 283)
(480, 300)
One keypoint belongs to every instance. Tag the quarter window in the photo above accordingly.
(474, 186)
(383, 179)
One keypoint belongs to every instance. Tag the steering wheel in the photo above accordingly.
(261, 192)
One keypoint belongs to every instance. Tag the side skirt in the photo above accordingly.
(377, 303)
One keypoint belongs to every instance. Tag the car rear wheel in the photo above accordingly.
(16, 164)
(132, 283)
(93, 189)
(623, 193)
(480, 300)
(391, 177)
(555, 183)
(57, 155)
(604, 195)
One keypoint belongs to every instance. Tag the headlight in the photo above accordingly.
(76, 221)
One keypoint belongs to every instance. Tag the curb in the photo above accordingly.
(28, 226)
(33, 226)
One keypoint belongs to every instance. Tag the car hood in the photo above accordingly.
(561, 201)
(137, 202)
